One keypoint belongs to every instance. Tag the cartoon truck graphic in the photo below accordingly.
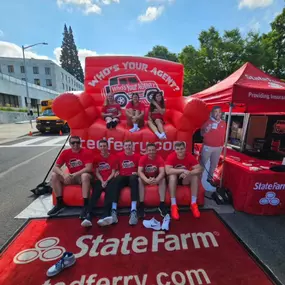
(123, 86)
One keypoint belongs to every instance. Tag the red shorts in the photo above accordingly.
(157, 116)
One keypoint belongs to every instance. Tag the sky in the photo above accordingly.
(128, 27)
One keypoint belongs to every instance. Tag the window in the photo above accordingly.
(63, 86)
(47, 70)
(114, 81)
(65, 77)
(123, 81)
(11, 68)
(22, 69)
(133, 80)
(62, 76)
(48, 82)
(35, 70)
(68, 79)
(24, 79)
(37, 81)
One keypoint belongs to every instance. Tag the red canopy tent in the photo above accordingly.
(249, 89)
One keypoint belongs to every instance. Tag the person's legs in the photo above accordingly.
(162, 190)
(134, 185)
(193, 182)
(172, 184)
(205, 156)
(160, 127)
(57, 184)
(108, 121)
(214, 160)
(153, 127)
(141, 212)
(85, 181)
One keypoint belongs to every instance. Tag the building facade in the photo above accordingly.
(43, 73)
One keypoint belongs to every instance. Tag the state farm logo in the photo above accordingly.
(128, 164)
(180, 166)
(103, 166)
(150, 168)
(46, 249)
(75, 163)
(270, 199)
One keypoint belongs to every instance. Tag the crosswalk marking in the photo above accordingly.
(42, 141)
(30, 141)
(54, 141)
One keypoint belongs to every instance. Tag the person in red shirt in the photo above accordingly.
(79, 164)
(151, 172)
(183, 169)
(155, 115)
(135, 113)
(111, 112)
(213, 132)
(127, 176)
(105, 168)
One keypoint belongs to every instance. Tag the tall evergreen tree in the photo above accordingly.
(65, 51)
(76, 65)
(69, 59)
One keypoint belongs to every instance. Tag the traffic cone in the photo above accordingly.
(30, 133)
(60, 133)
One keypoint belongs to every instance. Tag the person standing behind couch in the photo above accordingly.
(155, 115)
(111, 112)
(213, 132)
(79, 162)
(135, 113)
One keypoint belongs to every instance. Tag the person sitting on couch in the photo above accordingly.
(79, 163)
(151, 172)
(105, 168)
(183, 169)
(155, 115)
(111, 112)
(127, 177)
(135, 113)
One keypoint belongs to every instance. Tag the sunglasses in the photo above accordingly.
(75, 142)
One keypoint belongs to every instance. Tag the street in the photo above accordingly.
(24, 163)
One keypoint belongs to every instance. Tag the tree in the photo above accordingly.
(69, 59)
(75, 62)
(162, 53)
(65, 51)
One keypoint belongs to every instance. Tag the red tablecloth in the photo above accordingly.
(254, 192)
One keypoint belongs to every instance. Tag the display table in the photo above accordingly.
(254, 192)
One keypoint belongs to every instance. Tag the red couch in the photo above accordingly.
(123, 75)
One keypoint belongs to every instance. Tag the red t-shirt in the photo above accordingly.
(128, 163)
(113, 109)
(186, 163)
(140, 107)
(75, 161)
(105, 165)
(215, 137)
(151, 166)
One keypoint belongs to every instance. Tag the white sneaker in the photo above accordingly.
(152, 224)
(106, 221)
(165, 223)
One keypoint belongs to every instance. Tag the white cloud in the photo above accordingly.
(107, 2)
(87, 6)
(1, 33)
(8, 49)
(161, 1)
(253, 4)
(151, 14)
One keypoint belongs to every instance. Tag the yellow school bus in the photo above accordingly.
(48, 121)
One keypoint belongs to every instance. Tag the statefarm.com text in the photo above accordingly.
(119, 145)
(191, 277)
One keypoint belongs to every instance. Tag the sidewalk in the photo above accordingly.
(13, 131)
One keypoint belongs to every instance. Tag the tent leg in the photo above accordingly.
(226, 143)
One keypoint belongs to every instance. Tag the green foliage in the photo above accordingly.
(69, 59)
(218, 55)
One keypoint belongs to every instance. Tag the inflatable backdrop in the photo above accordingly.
(124, 75)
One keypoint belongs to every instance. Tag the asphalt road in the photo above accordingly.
(21, 169)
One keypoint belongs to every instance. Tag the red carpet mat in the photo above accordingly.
(193, 252)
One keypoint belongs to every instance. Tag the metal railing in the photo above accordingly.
(22, 82)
